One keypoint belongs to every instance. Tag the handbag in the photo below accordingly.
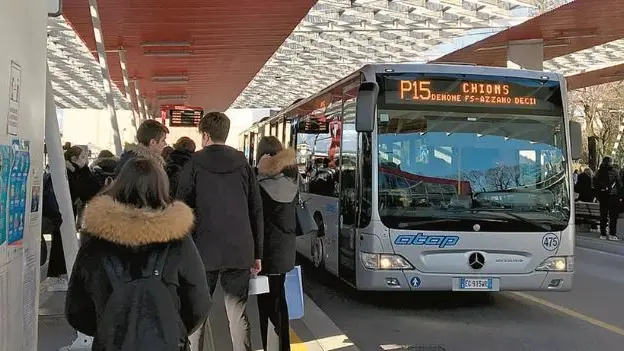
(306, 224)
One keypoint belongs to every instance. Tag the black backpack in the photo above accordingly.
(140, 313)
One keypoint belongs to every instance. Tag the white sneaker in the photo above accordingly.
(614, 238)
(58, 285)
(603, 237)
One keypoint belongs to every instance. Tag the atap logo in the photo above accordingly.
(421, 239)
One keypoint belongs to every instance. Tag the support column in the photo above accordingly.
(108, 91)
(137, 93)
(147, 114)
(126, 81)
(63, 197)
(526, 54)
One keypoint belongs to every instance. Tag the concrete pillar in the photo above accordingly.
(63, 197)
(126, 81)
(108, 90)
(526, 54)
(137, 93)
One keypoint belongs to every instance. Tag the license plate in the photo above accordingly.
(475, 283)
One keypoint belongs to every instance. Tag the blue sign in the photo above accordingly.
(415, 282)
(421, 239)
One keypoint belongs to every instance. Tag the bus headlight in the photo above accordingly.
(557, 264)
(384, 261)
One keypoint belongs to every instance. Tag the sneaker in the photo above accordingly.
(58, 285)
(603, 237)
(614, 238)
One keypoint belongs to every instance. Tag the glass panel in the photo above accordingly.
(447, 170)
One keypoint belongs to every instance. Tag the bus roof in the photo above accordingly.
(380, 68)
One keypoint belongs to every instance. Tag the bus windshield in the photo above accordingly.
(472, 171)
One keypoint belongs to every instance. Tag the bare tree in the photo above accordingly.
(601, 108)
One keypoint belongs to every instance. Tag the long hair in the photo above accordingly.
(141, 183)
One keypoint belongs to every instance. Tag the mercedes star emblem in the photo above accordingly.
(476, 260)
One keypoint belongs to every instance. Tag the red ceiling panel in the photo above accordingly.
(230, 40)
(579, 25)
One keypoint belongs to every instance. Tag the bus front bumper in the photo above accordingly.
(417, 281)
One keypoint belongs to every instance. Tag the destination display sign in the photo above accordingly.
(516, 93)
(185, 118)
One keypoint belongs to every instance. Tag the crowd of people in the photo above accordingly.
(160, 226)
(607, 188)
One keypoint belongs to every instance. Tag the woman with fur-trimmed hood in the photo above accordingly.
(278, 178)
(133, 221)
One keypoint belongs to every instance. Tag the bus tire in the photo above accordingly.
(317, 249)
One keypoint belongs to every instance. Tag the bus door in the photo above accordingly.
(347, 255)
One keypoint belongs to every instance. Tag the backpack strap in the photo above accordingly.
(158, 260)
(115, 271)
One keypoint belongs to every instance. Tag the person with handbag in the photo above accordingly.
(278, 178)
(138, 283)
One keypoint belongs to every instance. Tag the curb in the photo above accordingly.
(319, 332)
(600, 245)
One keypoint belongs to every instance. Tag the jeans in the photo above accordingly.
(235, 284)
(273, 307)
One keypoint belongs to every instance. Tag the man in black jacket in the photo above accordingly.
(608, 185)
(220, 185)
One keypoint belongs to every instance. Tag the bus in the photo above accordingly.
(436, 177)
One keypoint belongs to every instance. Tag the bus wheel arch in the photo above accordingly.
(317, 249)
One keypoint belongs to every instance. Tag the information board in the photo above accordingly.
(476, 91)
(185, 117)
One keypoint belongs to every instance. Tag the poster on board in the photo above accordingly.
(18, 178)
(15, 87)
(5, 165)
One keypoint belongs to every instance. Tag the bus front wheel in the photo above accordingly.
(318, 244)
(318, 252)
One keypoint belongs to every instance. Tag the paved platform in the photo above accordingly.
(315, 332)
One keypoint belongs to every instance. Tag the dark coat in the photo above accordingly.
(175, 163)
(135, 151)
(607, 183)
(585, 188)
(221, 186)
(82, 184)
(132, 234)
(279, 197)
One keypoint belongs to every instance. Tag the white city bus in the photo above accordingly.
(437, 177)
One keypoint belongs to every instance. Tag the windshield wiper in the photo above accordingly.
(497, 211)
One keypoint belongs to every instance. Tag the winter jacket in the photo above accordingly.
(584, 188)
(220, 185)
(132, 234)
(175, 163)
(607, 182)
(279, 196)
(82, 184)
(135, 151)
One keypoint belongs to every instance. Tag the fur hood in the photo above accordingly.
(279, 187)
(125, 225)
(144, 152)
(273, 165)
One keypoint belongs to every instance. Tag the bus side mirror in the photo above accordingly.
(54, 7)
(365, 107)
(576, 140)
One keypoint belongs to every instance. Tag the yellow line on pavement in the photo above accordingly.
(571, 313)
(295, 342)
